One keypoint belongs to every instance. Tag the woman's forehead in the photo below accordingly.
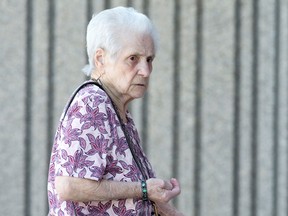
(141, 45)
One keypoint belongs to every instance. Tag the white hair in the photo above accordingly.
(106, 29)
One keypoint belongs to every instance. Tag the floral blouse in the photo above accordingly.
(89, 143)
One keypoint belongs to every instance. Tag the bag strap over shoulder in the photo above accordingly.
(75, 92)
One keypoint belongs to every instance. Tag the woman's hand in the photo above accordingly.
(167, 209)
(161, 191)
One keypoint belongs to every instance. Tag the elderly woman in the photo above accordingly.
(97, 164)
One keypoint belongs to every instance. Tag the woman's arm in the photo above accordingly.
(85, 190)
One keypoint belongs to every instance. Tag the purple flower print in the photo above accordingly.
(93, 118)
(78, 210)
(82, 142)
(96, 101)
(112, 167)
(121, 209)
(70, 134)
(59, 173)
(77, 161)
(60, 213)
(80, 160)
(96, 171)
(124, 165)
(69, 165)
(56, 156)
(98, 145)
(139, 205)
(82, 173)
(64, 154)
(112, 118)
(122, 147)
(133, 174)
(52, 200)
(74, 111)
(69, 208)
(51, 176)
(100, 209)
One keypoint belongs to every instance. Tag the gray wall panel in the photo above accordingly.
(281, 191)
(118, 3)
(245, 108)
(215, 115)
(13, 106)
(265, 87)
(161, 91)
(39, 158)
(187, 103)
(217, 108)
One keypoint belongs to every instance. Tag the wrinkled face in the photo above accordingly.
(128, 74)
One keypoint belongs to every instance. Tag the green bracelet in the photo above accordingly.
(144, 191)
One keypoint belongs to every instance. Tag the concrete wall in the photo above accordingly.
(215, 115)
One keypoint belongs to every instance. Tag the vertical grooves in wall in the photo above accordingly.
(286, 149)
(198, 109)
(107, 4)
(51, 73)
(89, 13)
(275, 110)
(254, 114)
(129, 3)
(237, 103)
(286, 134)
(176, 89)
(145, 100)
(28, 106)
(50, 78)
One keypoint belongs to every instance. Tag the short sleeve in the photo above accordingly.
(84, 136)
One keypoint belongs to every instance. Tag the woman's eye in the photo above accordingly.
(150, 60)
(132, 58)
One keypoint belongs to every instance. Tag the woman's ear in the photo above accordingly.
(99, 58)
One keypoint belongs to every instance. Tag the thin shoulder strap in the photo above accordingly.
(74, 94)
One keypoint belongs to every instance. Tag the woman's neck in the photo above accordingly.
(117, 100)
(119, 104)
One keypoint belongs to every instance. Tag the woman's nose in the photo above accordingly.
(145, 69)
